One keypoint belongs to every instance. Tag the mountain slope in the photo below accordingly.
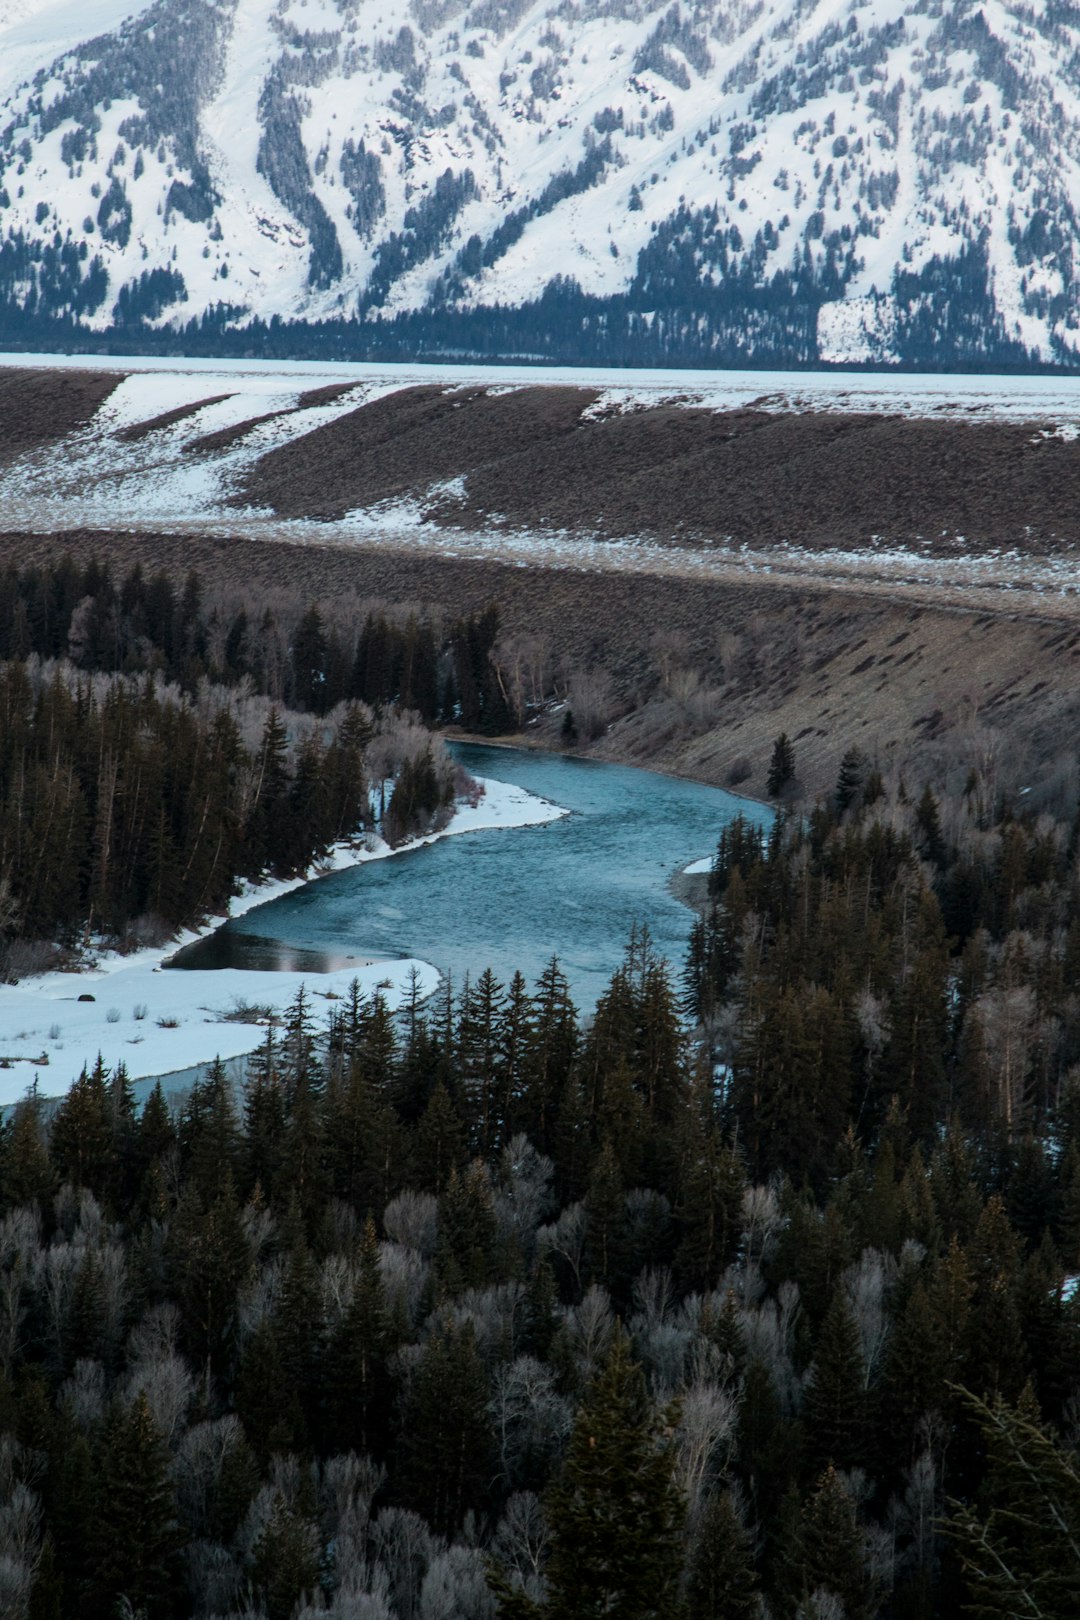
(765, 179)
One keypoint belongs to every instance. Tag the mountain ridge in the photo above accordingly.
(775, 181)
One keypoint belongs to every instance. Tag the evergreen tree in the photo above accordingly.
(446, 1439)
(827, 1552)
(80, 1146)
(358, 1375)
(614, 1511)
(1020, 1547)
(465, 1254)
(928, 822)
(834, 1407)
(208, 1257)
(136, 1533)
(722, 1583)
(285, 1559)
(849, 779)
(781, 766)
(26, 1172)
(440, 1142)
(309, 661)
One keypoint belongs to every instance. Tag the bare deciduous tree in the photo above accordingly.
(84, 1393)
(522, 1195)
(167, 1383)
(520, 1542)
(405, 1547)
(455, 1587)
(404, 1274)
(704, 1439)
(587, 1330)
(531, 1419)
(566, 1238)
(866, 1284)
(198, 1463)
(412, 1219)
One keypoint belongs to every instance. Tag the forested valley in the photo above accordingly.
(155, 747)
(749, 1295)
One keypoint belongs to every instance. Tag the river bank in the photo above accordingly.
(575, 889)
(158, 1021)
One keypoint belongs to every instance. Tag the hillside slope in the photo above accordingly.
(785, 180)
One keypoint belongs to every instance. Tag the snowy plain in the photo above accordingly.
(1012, 398)
(159, 1021)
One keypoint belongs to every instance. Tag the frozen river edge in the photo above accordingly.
(158, 1022)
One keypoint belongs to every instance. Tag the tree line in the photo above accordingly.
(306, 655)
(128, 809)
(489, 1311)
(158, 744)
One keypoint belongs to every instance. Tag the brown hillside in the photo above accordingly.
(699, 676)
(824, 480)
(41, 407)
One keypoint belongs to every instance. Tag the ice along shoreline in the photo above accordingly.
(158, 1022)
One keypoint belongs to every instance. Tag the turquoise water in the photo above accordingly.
(510, 897)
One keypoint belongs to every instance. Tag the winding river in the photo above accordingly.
(507, 898)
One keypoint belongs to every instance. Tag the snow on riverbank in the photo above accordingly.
(696, 867)
(157, 1022)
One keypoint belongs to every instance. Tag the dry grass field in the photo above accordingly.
(547, 457)
(39, 408)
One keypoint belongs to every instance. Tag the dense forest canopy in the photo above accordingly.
(495, 1311)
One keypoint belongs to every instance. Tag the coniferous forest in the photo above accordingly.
(749, 1295)
(156, 747)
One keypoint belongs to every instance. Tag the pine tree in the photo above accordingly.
(828, 1552)
(928, 823)
(709, 1209)
(446, 1438)
(781, 766)
(605, 1233)
(298, 1328)
(208, 1134)
(834, 1407)
(440, 1142)
(285, 1559)
(614, 1511)
(80, 1142)
(309, 661)
(26, 1175)
(358, 1377)
(264, 1119)
(137, 1533)
(465, 1255)
(208, 1257)
(268, 822)
(1020, 1546)
(264, 1402)
(722, 1582)
(849, 780)
(551, 1046)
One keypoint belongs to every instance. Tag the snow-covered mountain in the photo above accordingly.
(791, 180)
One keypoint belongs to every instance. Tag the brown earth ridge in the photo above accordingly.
(39, 408)
(545, 457)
